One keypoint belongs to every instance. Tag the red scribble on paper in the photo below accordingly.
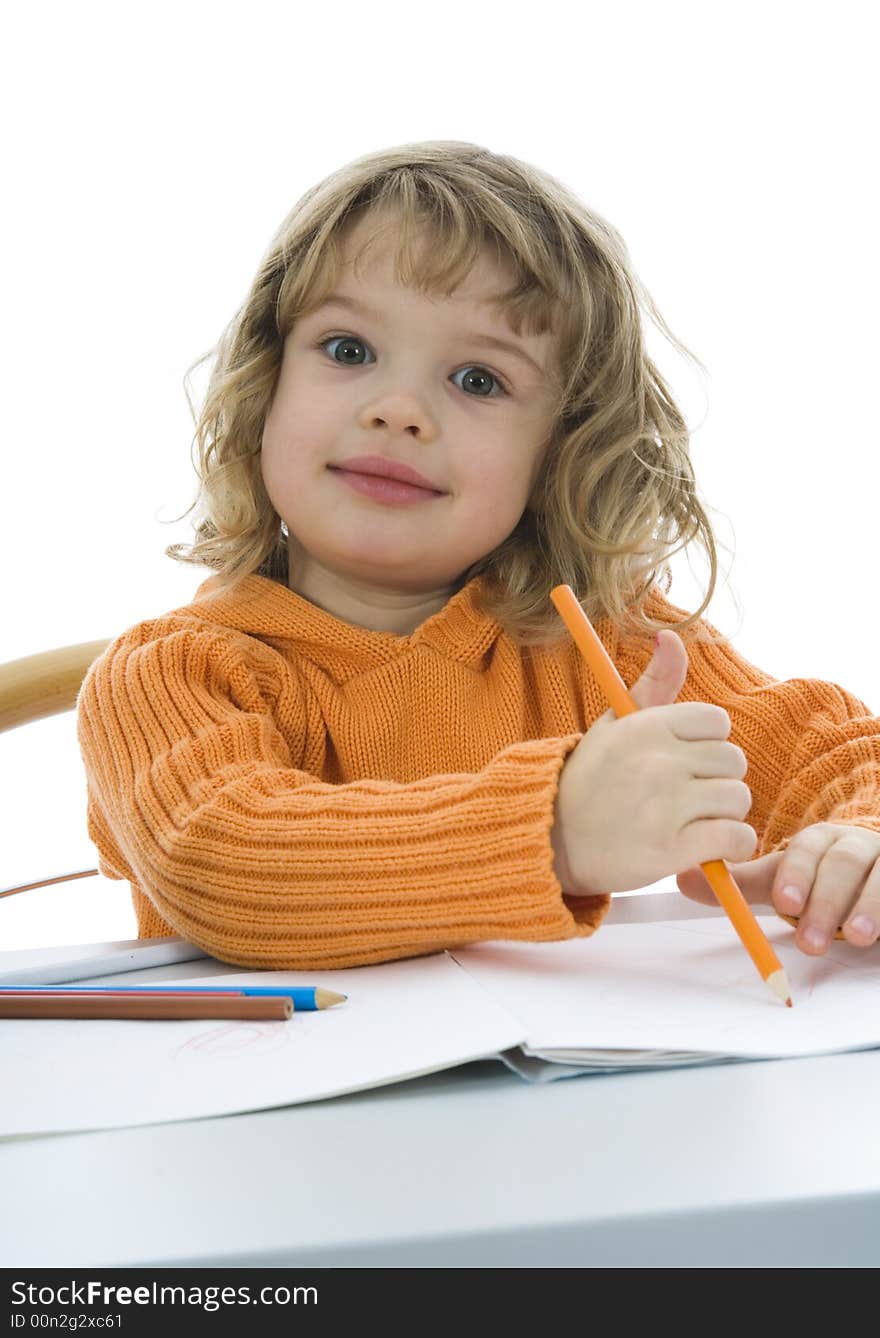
(234, 1038)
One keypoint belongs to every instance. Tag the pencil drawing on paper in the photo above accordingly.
(233, 1040)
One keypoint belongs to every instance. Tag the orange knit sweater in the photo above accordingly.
(288, 790)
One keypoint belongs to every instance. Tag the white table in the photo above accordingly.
(767, 1164)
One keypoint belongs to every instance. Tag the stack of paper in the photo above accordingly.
(636, 995)
(674, 993)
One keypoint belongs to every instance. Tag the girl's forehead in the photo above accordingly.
(372, 246)
(376, 274)
(370, 265)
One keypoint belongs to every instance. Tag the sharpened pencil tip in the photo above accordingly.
(779, 985)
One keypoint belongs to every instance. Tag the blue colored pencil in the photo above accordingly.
(304, 998)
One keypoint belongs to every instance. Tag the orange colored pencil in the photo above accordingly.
(731, 899)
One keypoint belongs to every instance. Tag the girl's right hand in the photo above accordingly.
(650, 794)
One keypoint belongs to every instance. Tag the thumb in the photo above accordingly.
(754, 878)
(665, 673)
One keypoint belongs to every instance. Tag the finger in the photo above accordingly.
(693, 884)
(862, 926)
(838, 883)
(717, 760)
(797, 871)
(717, 799)
(691, 721)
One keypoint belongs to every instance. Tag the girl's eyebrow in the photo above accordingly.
(472, 337)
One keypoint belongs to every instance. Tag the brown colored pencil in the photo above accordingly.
(721, 880)
(247, 1008)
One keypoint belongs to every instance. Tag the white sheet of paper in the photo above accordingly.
(683, 986)
(401, 1019)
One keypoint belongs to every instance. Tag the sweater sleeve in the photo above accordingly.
(813, 748)
(195, 798)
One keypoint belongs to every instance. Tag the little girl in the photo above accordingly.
(370, 736)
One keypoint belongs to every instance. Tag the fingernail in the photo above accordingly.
(794, 896)
(864, 927)
(657, 640)
(815, 938)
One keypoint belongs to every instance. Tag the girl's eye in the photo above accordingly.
(481, 372)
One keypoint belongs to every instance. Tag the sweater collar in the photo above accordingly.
(263, 608)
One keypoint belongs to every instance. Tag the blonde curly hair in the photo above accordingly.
(616, 486)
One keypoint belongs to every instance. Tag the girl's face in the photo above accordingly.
(412, 380)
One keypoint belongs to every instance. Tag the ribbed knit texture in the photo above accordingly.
(288, 790)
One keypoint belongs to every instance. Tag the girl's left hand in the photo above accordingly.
(828, 875)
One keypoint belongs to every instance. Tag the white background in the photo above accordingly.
(149, 156)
